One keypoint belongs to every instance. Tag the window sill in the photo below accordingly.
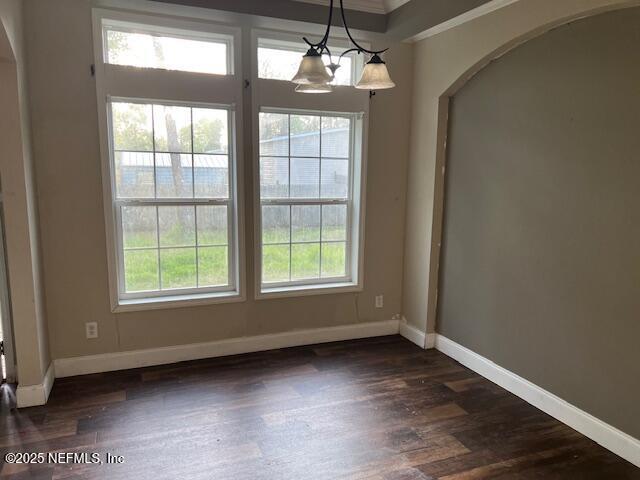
(177, 301)
(307, 290)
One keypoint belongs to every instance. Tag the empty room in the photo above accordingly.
(319, 239)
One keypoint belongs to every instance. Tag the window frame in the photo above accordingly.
(156, 202)
(279, 96)
(320, 282)
(170, 87)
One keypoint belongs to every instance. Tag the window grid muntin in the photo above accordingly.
(119, 203)
(293, 201)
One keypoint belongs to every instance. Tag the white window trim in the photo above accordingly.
(171, 87)
(276, 95)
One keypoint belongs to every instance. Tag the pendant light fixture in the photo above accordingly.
(314, 88)
(314, 76)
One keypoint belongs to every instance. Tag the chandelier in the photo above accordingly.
(314, 76)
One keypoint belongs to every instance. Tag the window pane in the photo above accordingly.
(213, 266)
(210, 131)
(334, 222)
(335, 137)
(305, 261)
(170, 53)
(274, 134)
(161, 244)
(172, 128)
(278, 64)
(139, 227)
(178, 268)
(283, 63)
(305, 223)
(177, 226)
(174, 178)
(344, 75)
(212, 225)
(335, 178)
(275, 263)
(305, 136)
(141, 270)
(334, 259)
(305, 178)
(211, 174)
(132, 127)
(275, 224)
(274, 177)
(134, 175)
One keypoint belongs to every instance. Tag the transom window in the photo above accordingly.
(306, 178)
(141, 46)
(279, 60)
(172, 201)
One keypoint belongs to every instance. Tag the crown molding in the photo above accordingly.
(380, 7)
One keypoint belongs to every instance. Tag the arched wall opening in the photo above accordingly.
(442, 65)
(539, 259)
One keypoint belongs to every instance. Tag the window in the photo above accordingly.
(307, 178)
(172, 197)
(169, 152)
(165, 48)
(279, 60)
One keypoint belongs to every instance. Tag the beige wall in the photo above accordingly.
(64, 116)
(19, 199)
(442, 63)
(540, 267)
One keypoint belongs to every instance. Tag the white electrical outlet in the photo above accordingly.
(91, 329)
(379, 301)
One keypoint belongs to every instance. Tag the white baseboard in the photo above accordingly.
(609, 437)
(416, 335)
(33, 395)
(68, 367)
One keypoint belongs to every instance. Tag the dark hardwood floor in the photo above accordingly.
(377, 409)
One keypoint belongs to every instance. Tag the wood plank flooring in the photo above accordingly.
(376, 409)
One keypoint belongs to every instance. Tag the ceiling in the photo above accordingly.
(371, 6)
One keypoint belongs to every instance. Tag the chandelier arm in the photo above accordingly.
(349, 51)
(322, 44)
(359, 48)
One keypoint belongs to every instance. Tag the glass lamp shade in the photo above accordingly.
(375, 75)
(312, 70)
(314, 88)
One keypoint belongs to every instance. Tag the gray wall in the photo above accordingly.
(292, 10)
(410, 19)
(541, 261)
